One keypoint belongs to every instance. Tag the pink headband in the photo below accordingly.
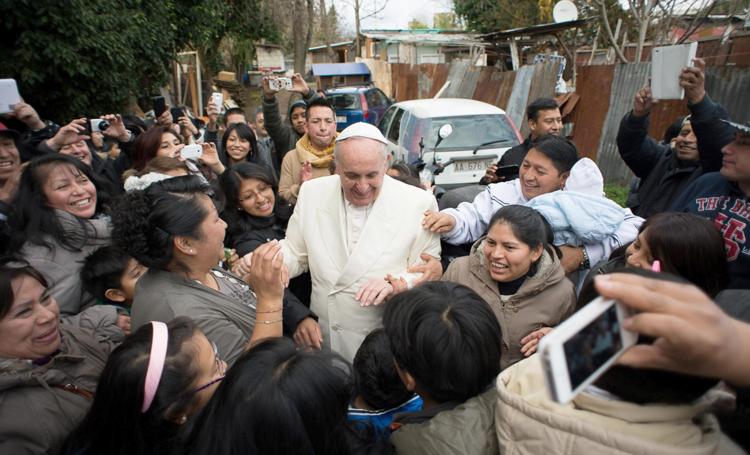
(159, 340)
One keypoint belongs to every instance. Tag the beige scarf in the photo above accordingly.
(318, 158)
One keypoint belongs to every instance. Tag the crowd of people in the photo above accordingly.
(284, 291)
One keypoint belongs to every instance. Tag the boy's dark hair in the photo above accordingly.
(103, 270)
(561, 151)
(642, 385)
(234, 111)
(318, 102)
(375, 377)
(446, 337)
(540, 104)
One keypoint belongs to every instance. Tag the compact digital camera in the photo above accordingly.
(280, 83)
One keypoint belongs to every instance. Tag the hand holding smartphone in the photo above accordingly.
(191, 152)
(578, 351)
(9, 95)
(506, 173)
(160, 105)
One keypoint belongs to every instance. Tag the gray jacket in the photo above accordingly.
(35, 414)
(469, 429)
(62, 267)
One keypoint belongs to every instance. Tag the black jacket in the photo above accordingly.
(245, 233)
(663, 176)
(515, 155)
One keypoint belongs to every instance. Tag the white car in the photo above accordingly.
(478, 135)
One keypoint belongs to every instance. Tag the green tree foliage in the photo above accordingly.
(416, 24)
(486, 16)
(445, 21)
(88, 57)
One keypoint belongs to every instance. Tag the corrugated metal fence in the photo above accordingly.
(606, 93)
(725, 84)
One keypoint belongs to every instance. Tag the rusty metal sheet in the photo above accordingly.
(740, 54)
(506, 78)
(486, 88)
(593, 86)
(439, 76)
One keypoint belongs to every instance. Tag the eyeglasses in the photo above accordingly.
(220, 367)
(252, 195)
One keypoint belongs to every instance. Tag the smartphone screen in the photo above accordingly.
(593, 346)
(508, 172)
(176, 113)
(160, 105)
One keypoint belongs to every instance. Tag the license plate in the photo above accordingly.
(473, 165)
(340, 119)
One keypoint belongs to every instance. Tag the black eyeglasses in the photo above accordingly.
(220, 367)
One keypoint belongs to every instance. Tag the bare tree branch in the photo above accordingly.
(375, 12)
(608, 30)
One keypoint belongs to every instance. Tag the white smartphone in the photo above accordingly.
(218, 100)
(9, 95)
(583, 347)
(191, 152)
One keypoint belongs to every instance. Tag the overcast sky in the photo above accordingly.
(396, 14)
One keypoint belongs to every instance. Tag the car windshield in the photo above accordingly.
(342, 101)
(468, 132)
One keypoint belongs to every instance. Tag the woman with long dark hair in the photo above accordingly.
(238, 145)
(685, 244)
(59, 218)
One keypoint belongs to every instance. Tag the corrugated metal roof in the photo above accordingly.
(323, 46)
(424, 37)
(536, 29)
(339, 69)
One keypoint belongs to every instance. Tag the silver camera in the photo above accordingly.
(98, 125)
